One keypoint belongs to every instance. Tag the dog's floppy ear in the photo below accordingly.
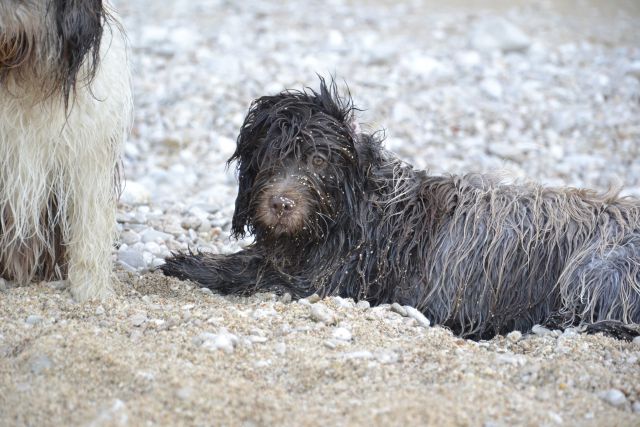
(79, 29)
(252, 135)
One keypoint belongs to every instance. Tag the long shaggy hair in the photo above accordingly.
(65, 109)
(333, 213)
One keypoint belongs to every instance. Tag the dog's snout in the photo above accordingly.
(282, 205)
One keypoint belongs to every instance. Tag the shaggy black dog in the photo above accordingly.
(333, 213)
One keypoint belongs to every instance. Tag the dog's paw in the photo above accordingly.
(86, 287)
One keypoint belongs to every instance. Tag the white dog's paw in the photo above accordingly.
(85, 288)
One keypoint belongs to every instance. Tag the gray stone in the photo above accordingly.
(40, 363)
(613, 396)
(363, 305)
(397, 308)
(514, 336)
(223, 340)
(541, 330)
(342, 334)
(496, 33)
(151, 235)
(131, 258)
(135, 194)
(320, 313)
(34, 319)
(418, 316)
(138, 319)
(129, 237)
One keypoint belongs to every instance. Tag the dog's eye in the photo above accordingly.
(318, 160)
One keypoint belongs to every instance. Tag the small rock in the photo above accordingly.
(342, 302)
(613, 396)
(34, 319)
(191, 222)
(511, 359)
(418, 316)
(40, 363)
(262, 363)
(320, 313)
(636, 341)
(257, 339)
(151, 235)
(540, 330)
(99, 310)
(129, 237)
(184, 393)
(115, 415)
(286, 298)
(636, 407)
(499, 34)
(136, 335)
(395, 307)
(138, 319)
(330, 344)
(206, 291)
(492, 88)
(280, 348)
(362, 354)
(363, 305)
(153, 247)
(514, 336)
(135, 194)
(342, 334)
(58, 285)
(223, 340)
(634, 69)
(313, 298)
(131, 258)
(387, 357)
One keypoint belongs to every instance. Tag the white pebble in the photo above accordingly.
(342, 334)
(613, 396)
(540, 330)
(363, 305)
(397, 308)
(223, 340)
(514, 336)
(138, 319)
(320, 313)
(34, 319)
(418, 316)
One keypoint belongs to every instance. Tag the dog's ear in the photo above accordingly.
(79, 28)
(252, 134)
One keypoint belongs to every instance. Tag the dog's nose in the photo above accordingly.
(282, 205)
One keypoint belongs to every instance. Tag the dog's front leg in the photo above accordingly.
(90, 211)
(242, 273)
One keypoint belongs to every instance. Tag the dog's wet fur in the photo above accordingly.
(333, 213)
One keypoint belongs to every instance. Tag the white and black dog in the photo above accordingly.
(65, 109)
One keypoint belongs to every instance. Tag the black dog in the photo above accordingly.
(333, 213)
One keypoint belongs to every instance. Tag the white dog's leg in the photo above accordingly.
(99, 122)
(91, 226)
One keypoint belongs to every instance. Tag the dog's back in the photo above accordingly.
(499, 257)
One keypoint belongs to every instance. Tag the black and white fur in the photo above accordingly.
(333, 213)
(65, 110)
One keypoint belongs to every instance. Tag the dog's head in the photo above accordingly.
(49, 41)
(301, 162)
